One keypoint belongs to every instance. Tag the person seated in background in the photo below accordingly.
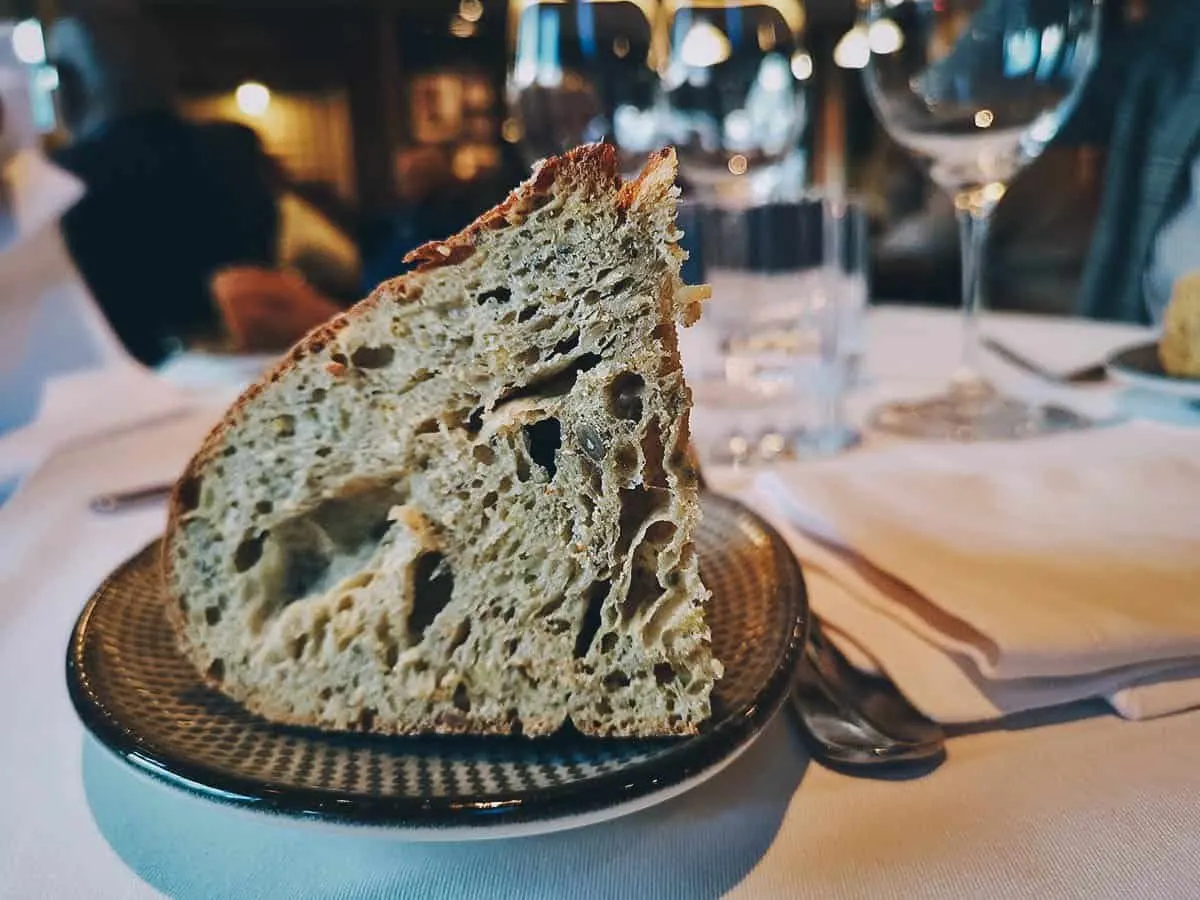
(169, 203)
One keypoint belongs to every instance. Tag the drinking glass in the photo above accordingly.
(734, 91)
(778, 343)
(582, 71)
(975, 90)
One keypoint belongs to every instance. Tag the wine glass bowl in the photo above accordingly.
(583, 71)
(975, 90)
(734, 91)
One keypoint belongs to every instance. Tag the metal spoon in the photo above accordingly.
(854, 720)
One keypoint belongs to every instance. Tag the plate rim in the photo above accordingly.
(608, 791)
(1119, 366)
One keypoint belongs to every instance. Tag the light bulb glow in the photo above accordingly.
(802, 65)
(884, 37)
(470, 10)
(28, 43)
(252, 98)
(704, 45)
(853, 51)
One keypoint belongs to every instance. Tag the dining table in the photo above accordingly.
(1071, 801)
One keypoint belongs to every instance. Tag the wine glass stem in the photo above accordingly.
(974, 220)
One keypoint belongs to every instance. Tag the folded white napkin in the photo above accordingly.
(49, 322)
(990, 579)
(83, 406)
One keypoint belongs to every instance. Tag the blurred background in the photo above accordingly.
(326, 139)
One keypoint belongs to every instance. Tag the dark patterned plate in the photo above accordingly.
(142, 700)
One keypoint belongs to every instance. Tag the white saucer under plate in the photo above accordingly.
(1139, 366)
(144, 702)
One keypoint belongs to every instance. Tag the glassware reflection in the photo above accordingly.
(583, 70)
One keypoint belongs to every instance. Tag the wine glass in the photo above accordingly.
(583, 71)
(975, 89)
(734, 88)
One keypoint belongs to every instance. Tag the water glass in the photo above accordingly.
(781, 339)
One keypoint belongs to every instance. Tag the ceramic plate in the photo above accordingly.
(1140, 367)
(143, 701)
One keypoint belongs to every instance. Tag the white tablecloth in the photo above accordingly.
(1075, 803)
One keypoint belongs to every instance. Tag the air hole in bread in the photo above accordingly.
(373, 357)
(550, 607)
(433, 584)
(637, 505)
(625, 396)
(591, 616)
(616, 680)
(543, 439)
(297, 645)
(474, 421)
(462, 702)
(429, 426)
(212, 615)
(264, 507)
(366, 719)
(625, 461)
(461, 633)
(323, 451)
(188, 493)
(608, 643)
(230, 450)
(216, 670)
(483, 454)
(528, 357)
(515, 726)
(496, 295)
(527, 313)
(248, 552)
(566, 345)
(284, 426)
(661, 533)
(339, 358)
(664, 673)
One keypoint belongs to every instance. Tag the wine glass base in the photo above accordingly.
(984, 417)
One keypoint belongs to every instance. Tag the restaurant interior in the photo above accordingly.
(765, 463)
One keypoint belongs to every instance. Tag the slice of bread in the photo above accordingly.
(468, 505)
(1179, 347)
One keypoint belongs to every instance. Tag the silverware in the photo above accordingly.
(1091, 374)
(854, 720)
(119, 501)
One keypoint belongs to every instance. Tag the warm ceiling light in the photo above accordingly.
(738, 164)
(470, 10)
(461, 28)
(28, 44)
(884, 37)
(704, 45)
(984, 118)
(853, 51)
(802, 65)
(252, 98)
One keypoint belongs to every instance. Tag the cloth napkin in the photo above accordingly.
(49, 321)
(84, 406)
(991, 579)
